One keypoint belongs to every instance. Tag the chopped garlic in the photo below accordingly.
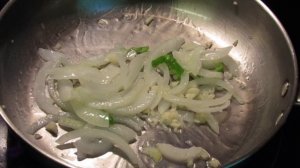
(213, 163)
(191, 93)
(51, 127)
(172, 119)
(206, 92)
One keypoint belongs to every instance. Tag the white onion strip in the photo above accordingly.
(210, 109)
(91, 147)
(182, 85)
(119, 101)
(210, 74)
(128, 121)
(55, 96)
(101, 134)
(45, 103)
(142, 103)
(182, 155)
(197, 103)
(126, 133)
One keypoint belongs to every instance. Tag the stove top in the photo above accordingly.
(277, 153)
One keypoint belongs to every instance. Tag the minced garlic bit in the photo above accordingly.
(172, 119)
(52, 128)
(213, 163)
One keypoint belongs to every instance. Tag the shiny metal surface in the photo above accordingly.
(75, 28)
(3, 142)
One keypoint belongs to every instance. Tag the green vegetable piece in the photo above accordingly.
(159, 60)
(111, 120)
(154, 153)
(174, 67)
(219, 67)
(140, 50)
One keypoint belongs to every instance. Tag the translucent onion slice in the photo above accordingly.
(90, 115)
(197, 103)
(166, 47)
(210, 109)
(134, 69)
(157, 98)
(126, 133)
(80, 72)
(64, 88)
(116, 140)
(56, 97)
(166, 74)
(210, 74)
(213, 123)
(210, 59)
(120, 101)
(182, 85)
(42, 122)
(182, 155)
(163, 106)
(190, 60)
(50, 55)
(128, 121)
(99, 91)
(221, 83)
(143, 102)
(45, 103)
(71, 123)
(207, 118)
(92, 147)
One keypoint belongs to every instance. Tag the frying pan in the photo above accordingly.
(267, 66)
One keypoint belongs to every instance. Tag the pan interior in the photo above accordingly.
(84, 28)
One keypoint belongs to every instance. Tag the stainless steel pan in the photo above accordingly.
(267, 63)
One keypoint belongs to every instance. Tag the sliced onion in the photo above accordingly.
(182, 155)
(71, 123)
(92, 147)
(64, 88)
(219, 108)
(101, 134)
(79, 72)
(157, 99)
(221, 83)
(166, 47)
(210, 74)
(182, 85)
(190, 60)
(134, 69)
(143, 102)
(213, 123)
(163, 106)
(50, 55)
(166, 74)
(126, 133)
(45, 103)
(128, 121)
(90, 115)
(119, 101)
(56, 97)
(210, 59)
(197, 103)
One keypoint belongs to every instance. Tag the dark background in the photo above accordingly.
(280, 152)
